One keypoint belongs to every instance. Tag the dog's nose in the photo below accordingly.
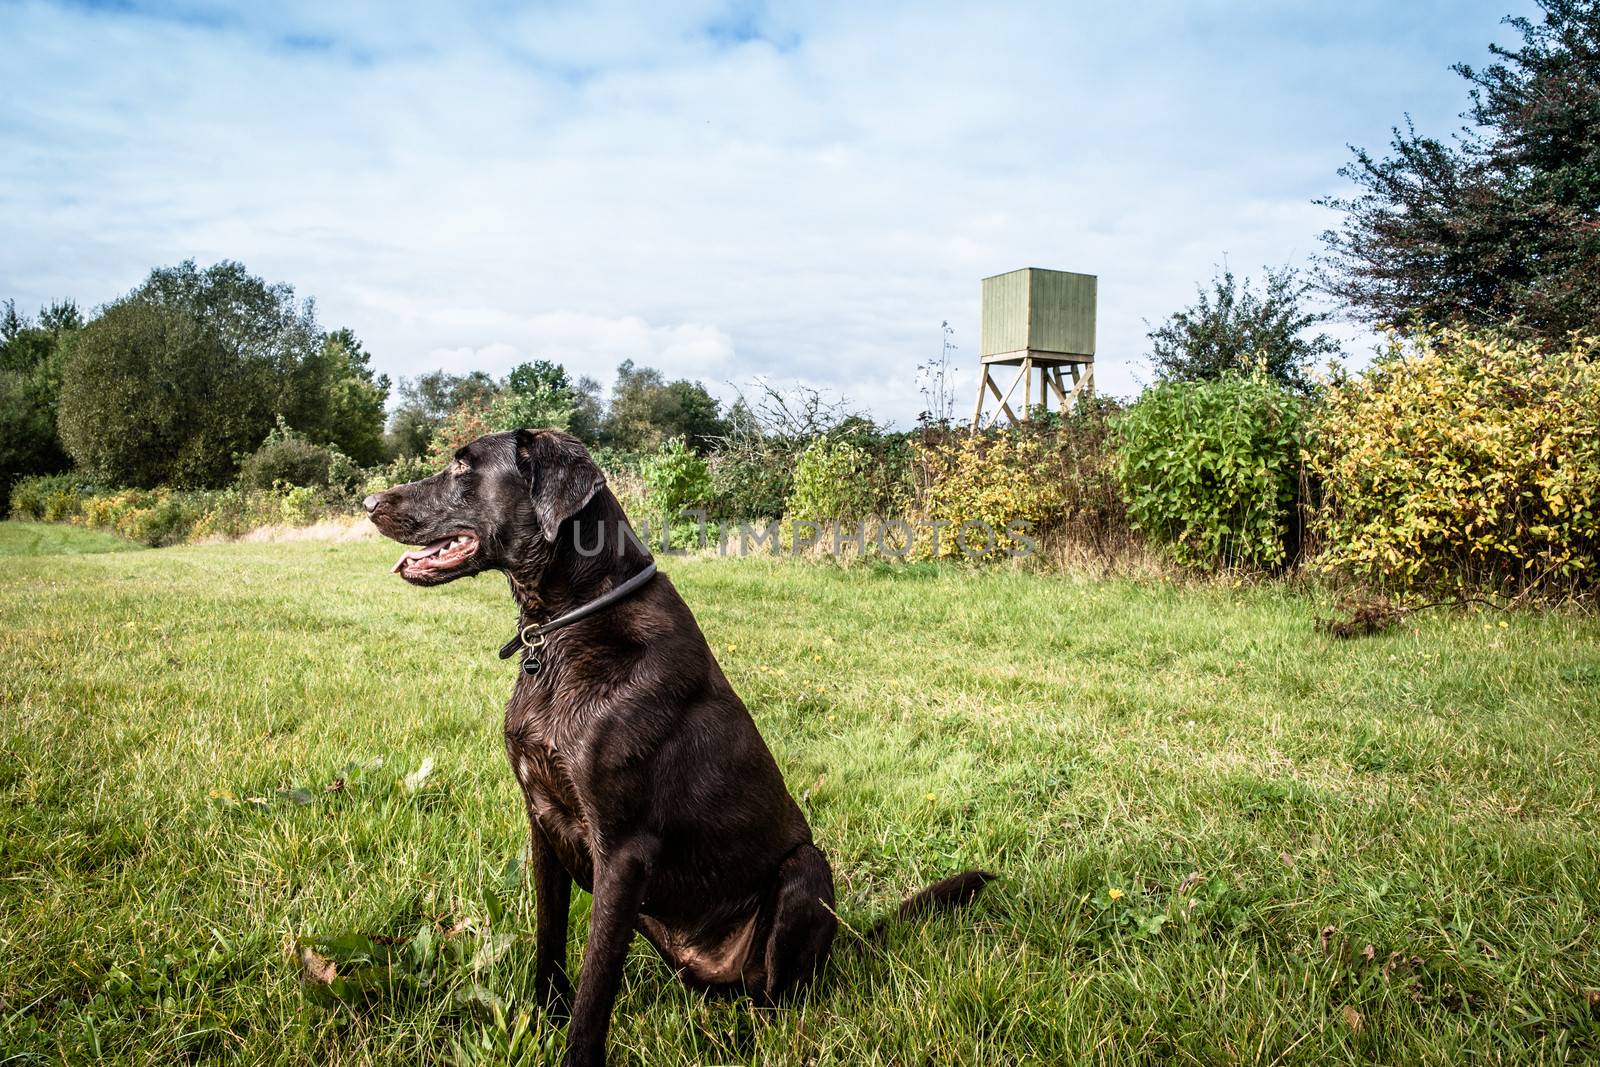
(370, 503)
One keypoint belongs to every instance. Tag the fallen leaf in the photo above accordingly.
(316, 968)
(335, 786)
(492, 948)
(1352, 1019)
(1326, 938)
(1370, 952)
(1288, 860)
(414, 781)
(1190, 881)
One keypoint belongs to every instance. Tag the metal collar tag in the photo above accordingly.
(531, 638)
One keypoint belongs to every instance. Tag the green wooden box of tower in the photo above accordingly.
(1042, 322)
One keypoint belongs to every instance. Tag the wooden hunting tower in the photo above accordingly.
(1042, 323)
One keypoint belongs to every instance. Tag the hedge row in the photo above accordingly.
(160, 517)
(1457, 460)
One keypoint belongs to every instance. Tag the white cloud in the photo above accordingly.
(718, 190)
(586, 344)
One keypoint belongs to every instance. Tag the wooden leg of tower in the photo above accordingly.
(977, 406)
(1080, 383)
(1005, 399)
(1027, 386)
(1052, 377)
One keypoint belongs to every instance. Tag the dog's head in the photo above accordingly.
(500, 503)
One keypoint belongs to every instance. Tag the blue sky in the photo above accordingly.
(722, 190)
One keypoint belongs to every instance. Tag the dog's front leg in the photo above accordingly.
(553, 887)
(619, 885)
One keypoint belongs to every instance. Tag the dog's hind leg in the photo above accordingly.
(803, 923)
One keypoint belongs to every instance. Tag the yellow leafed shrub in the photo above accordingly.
(1005, 481)
(1463, 459)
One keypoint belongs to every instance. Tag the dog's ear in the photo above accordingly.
(561, 476)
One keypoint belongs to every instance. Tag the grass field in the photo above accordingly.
(52, 539)
(1223, 837)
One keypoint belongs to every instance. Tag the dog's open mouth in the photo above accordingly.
(445, 554)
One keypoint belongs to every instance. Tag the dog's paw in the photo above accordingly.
(555, 998)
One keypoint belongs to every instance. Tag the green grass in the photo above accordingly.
(1372, 851)
(53, 539)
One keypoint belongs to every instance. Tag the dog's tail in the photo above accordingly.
(947, 894)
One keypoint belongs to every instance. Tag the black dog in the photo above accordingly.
(645, 778)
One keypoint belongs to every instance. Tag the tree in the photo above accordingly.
(346, 399)
(427, 400)
(536, 394)
(150, 396)
(1502, 221)
(646, 410)
(1232, 328)
(588, 411)
(260, 323)
(177, 380)
(631, 416)
(692, 413)
(539, 376)
(30, 386)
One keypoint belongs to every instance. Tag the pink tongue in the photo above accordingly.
(420, 553)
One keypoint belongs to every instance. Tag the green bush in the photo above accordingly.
(48, 497)
(154, 517)
(750, 480)
(300, 505)
(159, 517)
(851, 478)
(1464, 460)
(229, 513)
(399, 472)
(346, 484)
(619, 460)
(286, 457)
(624, 474)
(1210, 470)
(676, 479)
(167, 520)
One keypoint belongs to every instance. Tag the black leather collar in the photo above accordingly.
(530, 638)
